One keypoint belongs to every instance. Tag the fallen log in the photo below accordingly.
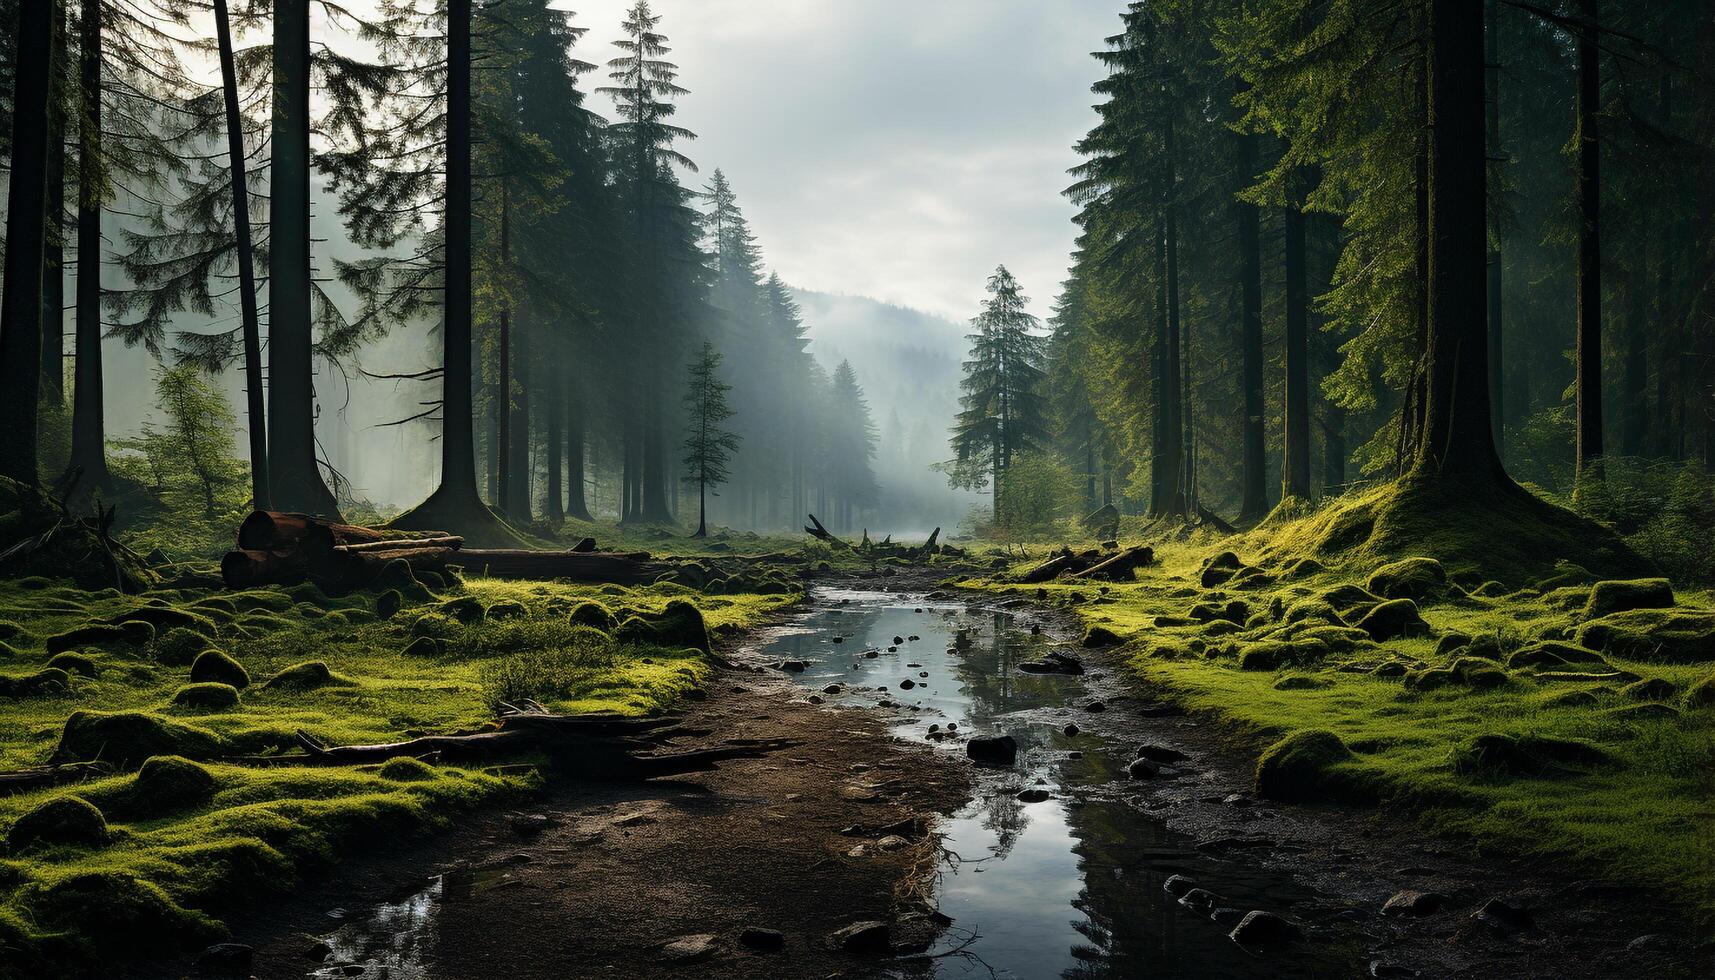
(246, 568)
(1121, 566)
(24, 780)
(1050, 569)
(452, 541)
(816, 530)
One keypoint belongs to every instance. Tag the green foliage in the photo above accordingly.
(1002, 415)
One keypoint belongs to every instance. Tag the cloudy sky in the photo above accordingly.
(898, 149)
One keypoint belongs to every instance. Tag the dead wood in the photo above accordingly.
(1121, 566)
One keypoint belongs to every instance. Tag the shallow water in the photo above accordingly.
(1066, 887)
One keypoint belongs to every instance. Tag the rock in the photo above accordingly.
(126, 738)
(1524, 755)
(1143, 769)
(68, 821)
(1414, 903)
(1100, 636)
(907, 684)
(678, 626)
(1034, 795)
(993, 750)
(1259, 928)
(584, 545)
(318, 951)
(1178, 885)
(690, 949)
(225, 960)
(1615, 595)
(1219, 569)
(217, 667)
(208, 696)
(1160, 753)
(870, 937)
(1653, 689)
(1391, 619)
(529, 824)
(1673, 636)
(1301, 766)
(302, 677)
(1409, 578)
(1500, 915)
(1383, 970)
(73, 663)
(794, 666)
(1199, 900)
(814, 699)
(1096, 707)
(762, 940)
(1071, 729)
(892, 842)
(165, 784)
(1055, 662)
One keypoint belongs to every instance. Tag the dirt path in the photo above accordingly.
(620, 870)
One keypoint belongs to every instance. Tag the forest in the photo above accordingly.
(1157, 488)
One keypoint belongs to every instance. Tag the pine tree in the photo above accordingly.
(709, 446)
(21, 303)
(849, 479)
(1003, 413)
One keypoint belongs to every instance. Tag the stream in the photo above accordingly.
(1067, 886)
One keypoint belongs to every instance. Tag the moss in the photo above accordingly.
(164, 618)
(679, 625)
(74, 663)
(1315, 609)
(1658, 635)
(47, 682)
(1648, 711)
(592, 614)
(1301, 682)
(1391, 619)
(388, 603)
(137, 918)
(180, 646)
(97, 634)
(1701, 694)
(1525, 755)
(1622, 595)
(216, 666)
(1100, 636)
(1218, 569)
(508, 609)
(1270, 655)
(407, 770)
(436, 625)
(1304, 766)
(1408, 578)
(208, 696)
(1303, 568)
(1650, 689)
(1429, 678)
(165, 784)
(1553, 653)
(305, 676)
(126, 738)
(425, 646)
(465, 609)
(64, 821)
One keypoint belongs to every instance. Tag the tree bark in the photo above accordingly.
(555, 509)
(1588, 353)
(257, 420)
(1295, 470)
(21, 305)
(576, 504)
(53, 255)
(1492, 93)
(88, 418)
(518, 464)
(294, 476)
(1254, 497)
(1457, 438)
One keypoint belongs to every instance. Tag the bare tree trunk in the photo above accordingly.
(555, 509)
(1295, 471)
(53, 256)
(1492, 86)
(88, 420)
(21, 305)
(1254, 498)
(1588, 354)
(576, 506)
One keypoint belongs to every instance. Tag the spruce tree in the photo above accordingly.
(709, 446)
(1003, 412)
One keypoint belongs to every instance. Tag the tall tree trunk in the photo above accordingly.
(1295, 470)
(257, 415)
(53, 255)
(555, 509)
(1588, 354)
(1254, 496)
(656, 509)
(1412, 413)
(21, 305)
(1178, 390)
(1492, 97)
(1669, 425)
(1634, 368)
(576, 506)
(519, 425)
(294, 476)
(1172, 444)
(1458, 440)
(88, 420)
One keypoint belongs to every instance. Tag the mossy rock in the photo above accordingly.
(1349, 598)
(1475, 672)
(164, 618)
(1567, 597)
(1701, 694)
(126, 738)
(1580, 698)
(208, 696)
(1648, 711)
(137, 920)
(1100, 636)
(437, 625)
(47, 682)
(1302, 682)
(1408, 578)
(1391, 668)
(1553, 653)
(99, 635)
(220, 668)
(1393, 618)
(592, 614)
(216, 602)
(1674, 636)
(1275, 654)
(74, 663)
(1303, 767)
(678, 626)
(1525, 755)
(466, 609)
(1220, 568)
(399, 576)
(1315, 609)
(508, 609)
(178, 647)
(388, 603)
(407, 770)
(425, 646)
(1566, 573)
(64, 821)
(1430, 678)
(166, 784)
(1303, 568)
(306, 676)
(1451, 642)
(1650, 689)
(1234, 611)
(1624, 595)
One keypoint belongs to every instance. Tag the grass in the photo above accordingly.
(1624, 791)
(334, 668)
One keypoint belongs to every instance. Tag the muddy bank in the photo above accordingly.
(599, 879)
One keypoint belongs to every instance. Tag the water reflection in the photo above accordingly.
(1070, 886)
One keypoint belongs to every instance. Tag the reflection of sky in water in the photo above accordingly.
(1055, 889)
(397, 941)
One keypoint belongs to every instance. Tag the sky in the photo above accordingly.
(897, 149)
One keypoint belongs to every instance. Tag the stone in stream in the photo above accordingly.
(690, 949)
(762, 940)
(869, 936)
(1413, 903)
(225, 960)
(1259, 928)
(871, 654)
(1033, 795)
(1055, 662)
(832, 689)
(907, 684)
(1499, 915)
(898, 640)
(1143, 769)
(993, 750)
(1199, 900)
(1095, 707)
(1160, 753)
(1178, 885)
(795, 666)
(1071, 729)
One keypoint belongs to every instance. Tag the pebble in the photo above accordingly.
(690, 949)
(1414, 903)
(1259, 928)
(762, 940)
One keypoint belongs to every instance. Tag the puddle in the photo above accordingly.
(1070, 886)
(397, 940)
